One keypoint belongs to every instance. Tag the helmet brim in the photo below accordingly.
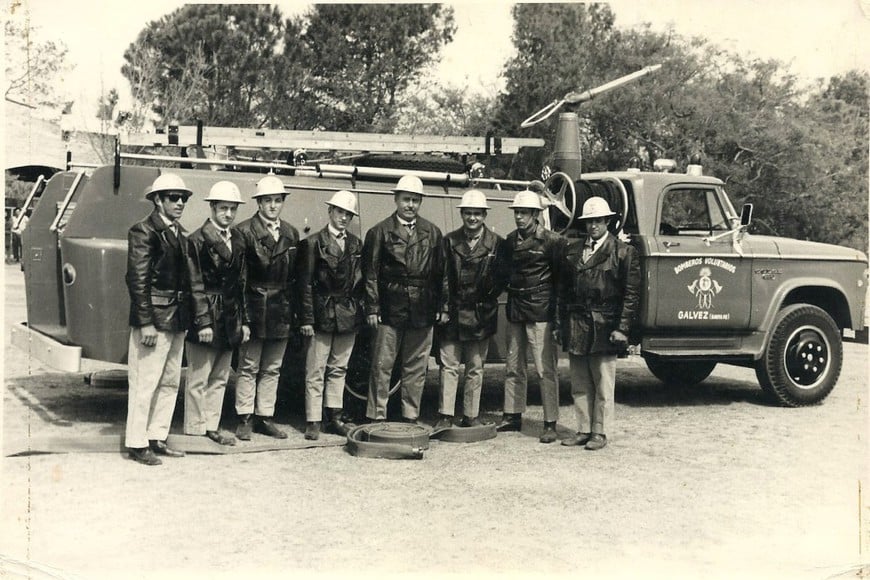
(187, 192)
(593, 216)
(347, 209)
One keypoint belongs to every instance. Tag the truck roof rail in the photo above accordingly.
(334, 171)
(281, 139)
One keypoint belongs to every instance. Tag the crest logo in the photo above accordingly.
(705, 288)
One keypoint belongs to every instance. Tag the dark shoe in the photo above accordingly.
(143, 455)
(245, 428)
(338, 424)
(220, 439)
(578, 439)
(510, 422)
(473, 422)
(312, 430)
(161, 448)
(596, 441)
(414, 421)
(265, 426)
(444, 422)
(549, 434)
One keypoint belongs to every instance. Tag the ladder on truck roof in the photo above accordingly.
(327, 140)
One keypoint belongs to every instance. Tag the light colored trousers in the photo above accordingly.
(208, 370)
(452, 353)
(154, 373)
(326, 366)
(257, 382)
(413, 346)
(533, 338)
(593, 382)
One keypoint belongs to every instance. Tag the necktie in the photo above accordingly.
(588, 249)
(225, 235)
(340, 239)
(472, 241)
(273, 229)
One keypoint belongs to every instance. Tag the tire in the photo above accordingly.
(673, 371)
(412, 162)
(803, 358)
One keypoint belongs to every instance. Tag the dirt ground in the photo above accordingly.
(703, 482)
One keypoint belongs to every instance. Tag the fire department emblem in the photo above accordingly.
(704, 288)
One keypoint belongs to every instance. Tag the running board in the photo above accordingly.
(46, 349)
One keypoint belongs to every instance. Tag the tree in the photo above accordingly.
(795, 153)
(32, 66)
(559, 48)
(363, 56)
(440, 110)
(206, 61)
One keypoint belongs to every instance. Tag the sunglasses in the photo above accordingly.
(175, 197)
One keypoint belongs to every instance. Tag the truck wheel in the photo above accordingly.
(673, 371)
(803, 358)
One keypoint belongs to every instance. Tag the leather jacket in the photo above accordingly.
(473, 280)
(598, 296)
(221, 298)
(330, 282)
(403, 274)
(271, 293)
(158, 275)
(533, 264)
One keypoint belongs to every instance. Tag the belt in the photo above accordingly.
(408, 280)
(165, 297)
(529, 290)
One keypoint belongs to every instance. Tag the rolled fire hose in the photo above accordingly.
(407, 440)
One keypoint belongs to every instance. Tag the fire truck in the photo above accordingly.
(712, 292)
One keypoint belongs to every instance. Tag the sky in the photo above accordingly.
(817, 38)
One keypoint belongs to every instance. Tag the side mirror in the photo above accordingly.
(746, 215)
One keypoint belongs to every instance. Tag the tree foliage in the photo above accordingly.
(32, 66)
(340, 67)
(797, 153)
(206, 61)
(363, 56)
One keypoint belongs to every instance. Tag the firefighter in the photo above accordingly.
(474, 276)
(331, 313)
(218, 261)
(599, 294)
(159, 282)
(402, 271)
(271, 249)
(533, 253)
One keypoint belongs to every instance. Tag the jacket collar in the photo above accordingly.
(484, 245)
(422, 229)
(215, 242)
(601, 254)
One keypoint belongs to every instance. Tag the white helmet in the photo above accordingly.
(595, 207)
(473, 199)
(409, 184)
(527, 199)
(225, 191)
(270, 185)
(345, 200)
(168, 182)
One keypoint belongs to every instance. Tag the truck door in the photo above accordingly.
(697, 283)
